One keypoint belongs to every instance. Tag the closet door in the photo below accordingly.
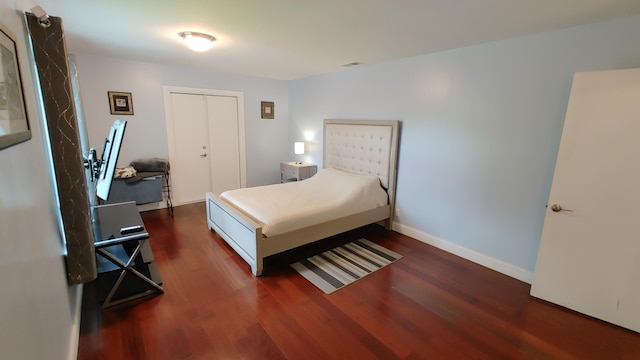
(222, 113)
(189, 161)
(205, 131)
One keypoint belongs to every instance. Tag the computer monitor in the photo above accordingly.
(106, 166)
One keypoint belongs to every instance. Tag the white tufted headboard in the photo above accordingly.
(364, 147)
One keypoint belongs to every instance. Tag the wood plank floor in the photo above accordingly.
(428, 305)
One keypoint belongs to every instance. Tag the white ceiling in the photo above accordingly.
(289, 39)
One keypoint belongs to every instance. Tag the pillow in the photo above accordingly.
(151, 165)
(124, 173)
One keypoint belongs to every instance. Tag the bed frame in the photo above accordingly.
(357, 146)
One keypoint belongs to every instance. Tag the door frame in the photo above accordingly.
(169, 121)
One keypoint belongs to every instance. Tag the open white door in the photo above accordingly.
(589, 257)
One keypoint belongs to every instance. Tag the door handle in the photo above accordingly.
(558, 208)
(203, 155)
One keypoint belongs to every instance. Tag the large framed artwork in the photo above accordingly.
(14, 124)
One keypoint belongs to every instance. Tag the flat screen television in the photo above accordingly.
(106, 166)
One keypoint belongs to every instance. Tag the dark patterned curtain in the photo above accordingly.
(50, 54)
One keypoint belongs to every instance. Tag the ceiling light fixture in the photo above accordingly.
(197, 41)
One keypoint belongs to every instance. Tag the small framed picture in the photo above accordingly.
(120, 103)
(267, 110)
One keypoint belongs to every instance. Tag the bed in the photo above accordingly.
(352, 149)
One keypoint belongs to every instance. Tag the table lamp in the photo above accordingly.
(298, 149)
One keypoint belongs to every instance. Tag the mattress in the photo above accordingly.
(328, 195)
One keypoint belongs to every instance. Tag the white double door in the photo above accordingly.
(206, 142)
(589, 257)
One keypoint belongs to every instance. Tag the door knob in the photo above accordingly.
(203, 155)
(558, 208)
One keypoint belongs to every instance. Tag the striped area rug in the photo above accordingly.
(345, 264)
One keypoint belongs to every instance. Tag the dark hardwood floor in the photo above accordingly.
(428, 305)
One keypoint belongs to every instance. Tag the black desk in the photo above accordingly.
(126, 268)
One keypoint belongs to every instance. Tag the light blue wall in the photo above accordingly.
(146, 134)
(39, 312)
(481, 125)
(481, 129)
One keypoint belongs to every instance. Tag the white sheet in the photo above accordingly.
(328, 195)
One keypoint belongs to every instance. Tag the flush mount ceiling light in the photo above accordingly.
(197, 41)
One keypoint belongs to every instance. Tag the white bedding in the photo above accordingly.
(328, 195)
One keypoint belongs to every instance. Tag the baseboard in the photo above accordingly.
(152, 206)
(75, 295)
(476, 257)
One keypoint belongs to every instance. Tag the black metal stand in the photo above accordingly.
(126, 265)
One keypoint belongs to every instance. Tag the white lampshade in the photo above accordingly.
(197, 41)
(298, 148)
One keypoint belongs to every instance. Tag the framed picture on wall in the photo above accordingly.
(267, 109)
(120, 103)
(14, 124)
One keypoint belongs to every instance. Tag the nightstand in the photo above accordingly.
(293, 171)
